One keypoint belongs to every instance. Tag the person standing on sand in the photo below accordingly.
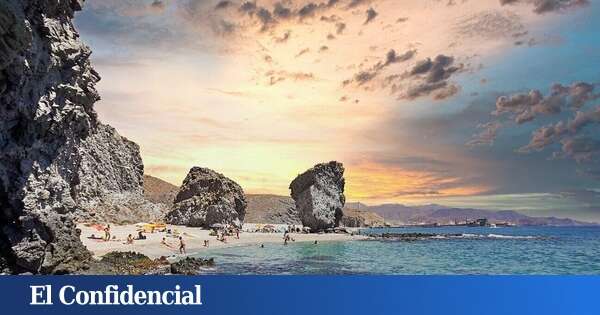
(181, 245)
(237, 233)
(107, 233)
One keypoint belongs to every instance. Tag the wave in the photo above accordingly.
(499, 236)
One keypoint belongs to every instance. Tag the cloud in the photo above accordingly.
(544, 136)
(281, 11)
(275, 77)
(372, 72)
(430, 77)
(339, 28)
(302, 52)
(284, 38)
(545, 6)
(223, 5)
(525, 107)
(581, 149)
(487, 136)
(371, 15)
(574, 145)
(490, 24)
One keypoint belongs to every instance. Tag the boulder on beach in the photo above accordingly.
(206, 198)
(319, 195)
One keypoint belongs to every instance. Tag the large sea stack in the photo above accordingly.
(207, 198)
(319, 195)
(57, 162)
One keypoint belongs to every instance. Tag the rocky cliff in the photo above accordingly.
(57, 161)
(319, 195)
(206, 198)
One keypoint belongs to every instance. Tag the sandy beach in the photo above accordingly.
(193, 237)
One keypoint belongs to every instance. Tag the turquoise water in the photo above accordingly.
(510, 250)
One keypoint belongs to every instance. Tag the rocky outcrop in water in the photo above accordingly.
(191, 266)
(319, 195)
(206, 198)
(57, 162)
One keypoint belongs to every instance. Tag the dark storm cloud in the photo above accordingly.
(371, 15)
(545, 6)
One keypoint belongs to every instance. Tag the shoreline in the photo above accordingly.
(194, 238)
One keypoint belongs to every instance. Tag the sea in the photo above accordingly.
(465, 251)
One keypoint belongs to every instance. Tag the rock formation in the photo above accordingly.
(319, 195)
(191, 266)
(57, 161)
(206, 198)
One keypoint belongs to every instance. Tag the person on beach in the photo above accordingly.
(237, 233)
(141, 236)
(206, 243)
(181, 245)
(107, 233)
(315, 242)
(262, 245)
(130, 239)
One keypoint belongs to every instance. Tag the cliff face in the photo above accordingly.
(56, 159)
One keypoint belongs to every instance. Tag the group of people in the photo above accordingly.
(181, 244)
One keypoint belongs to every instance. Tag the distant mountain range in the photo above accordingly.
(398, 214)
(264, 208)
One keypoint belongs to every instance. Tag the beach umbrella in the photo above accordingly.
(269, 226)
(217, 225)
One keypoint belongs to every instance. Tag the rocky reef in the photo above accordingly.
(191, 265)
(319, 195)
(206, 198)
(57, 161)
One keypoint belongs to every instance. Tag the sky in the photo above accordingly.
(492, 104)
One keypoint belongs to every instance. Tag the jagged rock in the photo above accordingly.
(56, 159)
(207, 197)
(319, 195)
(191, 265)
(127, 263)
